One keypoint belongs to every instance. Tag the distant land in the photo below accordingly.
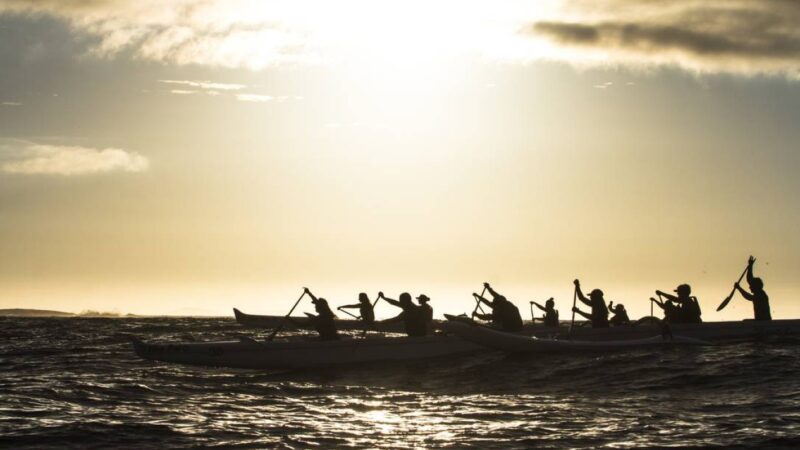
(24, 312)
(19, 312)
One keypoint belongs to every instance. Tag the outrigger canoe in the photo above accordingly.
(297, 354)
(742, 330)
(517, 343)
(261, 321)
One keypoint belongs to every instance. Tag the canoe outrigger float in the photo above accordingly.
(517, 343)
(297, 354)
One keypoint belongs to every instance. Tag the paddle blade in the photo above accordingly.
(725, 302)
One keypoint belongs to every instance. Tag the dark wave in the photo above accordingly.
(76, 383)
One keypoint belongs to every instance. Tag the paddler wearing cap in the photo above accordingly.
(689, 307)
(412, 315)
(599, 314)
(323, 321)
(505, 315)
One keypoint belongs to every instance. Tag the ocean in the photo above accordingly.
(75, 382)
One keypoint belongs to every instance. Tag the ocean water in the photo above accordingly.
(75, 382)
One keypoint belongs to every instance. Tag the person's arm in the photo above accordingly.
(750, 263)
(389, 300)
(483, 316)
(581, 297)
(745, 294)
(483, 300)
(491, 291)
(539, 306)
(667, 296)
(658, 303)
(308, 293)
(357, 305)
(585, 316)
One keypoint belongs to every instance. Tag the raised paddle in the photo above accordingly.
(478, 303)
(733, 291)
(533, 319)
(574, 304)
(286, 317)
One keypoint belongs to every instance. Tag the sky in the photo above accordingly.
(192, 156)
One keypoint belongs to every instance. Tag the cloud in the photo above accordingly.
(747, 37)
(182, 92)
(208, 85)
(27, 158)
(11, 104)
(253, 98)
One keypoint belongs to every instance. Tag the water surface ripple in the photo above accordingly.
(76, 382)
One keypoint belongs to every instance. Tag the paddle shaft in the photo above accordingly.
(574, 304)
(733, 291)
(347, 312)
(478, 303)
(286, 317)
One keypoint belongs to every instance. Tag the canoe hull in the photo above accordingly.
(249, 354)
(517, 343)
(271, 322)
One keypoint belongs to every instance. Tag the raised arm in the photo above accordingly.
(750, 262)
(745, 294)
(581, 297)
(357, 305)
(539, 306)
(491, 291)
(308, 293)
(389, 300)
(667, 296)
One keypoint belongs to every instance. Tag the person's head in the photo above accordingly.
(363, 298)
(596, 294)
(757, 285)
(550, 304)
(500, 299)
(405, 298)
(321, 305)
(423, 299)
(619, 308)
(683, 290)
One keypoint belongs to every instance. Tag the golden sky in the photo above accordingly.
(199, 155)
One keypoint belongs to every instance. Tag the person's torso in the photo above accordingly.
(551, 318)
(510, 319)
(367, 313)
(761, 306)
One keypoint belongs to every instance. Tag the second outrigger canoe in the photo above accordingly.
(517, 343)
(298, 354)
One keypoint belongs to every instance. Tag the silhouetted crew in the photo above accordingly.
(427, 312)
(550, 313)
(757, 295)
(323, 321)
(688, 306)
(413, 316)
(671, 310)
(599, 314)
(365, 310)
(505, 314)
(620, 315)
